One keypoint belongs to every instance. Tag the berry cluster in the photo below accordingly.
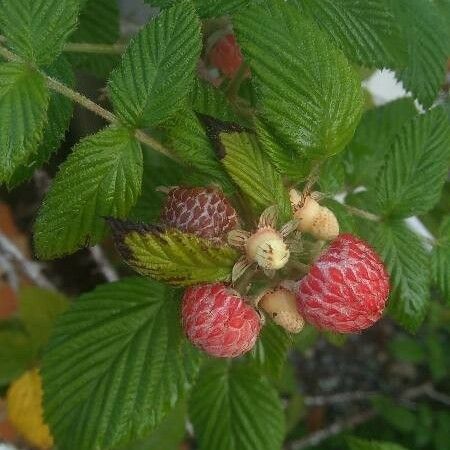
(344, 290)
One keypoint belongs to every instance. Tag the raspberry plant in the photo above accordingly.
(233, 128)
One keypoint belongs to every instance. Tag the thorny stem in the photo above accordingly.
(75, 96)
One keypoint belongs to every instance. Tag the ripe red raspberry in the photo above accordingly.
(226, 55)
(217, 320)
(346, 288)
(202, 211)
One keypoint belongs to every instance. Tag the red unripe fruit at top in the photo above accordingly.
(346, 289)
(226, 55)
(217, 320)
(205, 212)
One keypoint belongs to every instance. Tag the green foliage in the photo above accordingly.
(23, 105)
(117, 366)
(16, 352)
(22, 339)
(360, 444)
(399, 417)
(59, 113)
(187, 136)
(271, 349)
(366, 31)
(98, 24)
(427, 56)
(415, 169)
(373, 138)
(38, 311)
(408, 264)
(250, 169)
(102, 177)
(208, 100)
(309, 93)
(205, 8)
(234, 408)
(118, 345)
(179, 258)
(37, 29)
(169, 433)
(407, 349)
(158, 171)
(157, 70)
(440, 260)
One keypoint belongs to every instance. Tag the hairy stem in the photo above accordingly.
(88, 104)
(361, 213)
(86, 47)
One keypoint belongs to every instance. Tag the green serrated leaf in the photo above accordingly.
(23, 106)
(360, 444)
(16, 352)
(157, 70)
(205, 8)
(188, 139)
(102, 177)
(158, 171)
(332, 176)
(427, 56)
(307, 90)
(440, 260)
(364, 156)
(366, 31)
(408, 264)
(233, 408)
(270, 351)
(37, 29)
(168, 435)
(415, 168)
(179, 258)
(284, 157)
(113, 368)
(38, 309)
(443, 7)
(59, 114)
(98, 24)
(250, 169)
(209, 100)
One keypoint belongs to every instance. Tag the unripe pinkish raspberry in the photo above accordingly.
(280, 305)
(346, 289)
(317, 220)
(219, 321)
(226, 55)
(205, 212)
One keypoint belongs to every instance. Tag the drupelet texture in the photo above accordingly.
(217, 320)
(346, 289)
(205, 212)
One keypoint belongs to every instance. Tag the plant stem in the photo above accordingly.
(361, 213)
(75, 96)
(62, 89)
(86, 47)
